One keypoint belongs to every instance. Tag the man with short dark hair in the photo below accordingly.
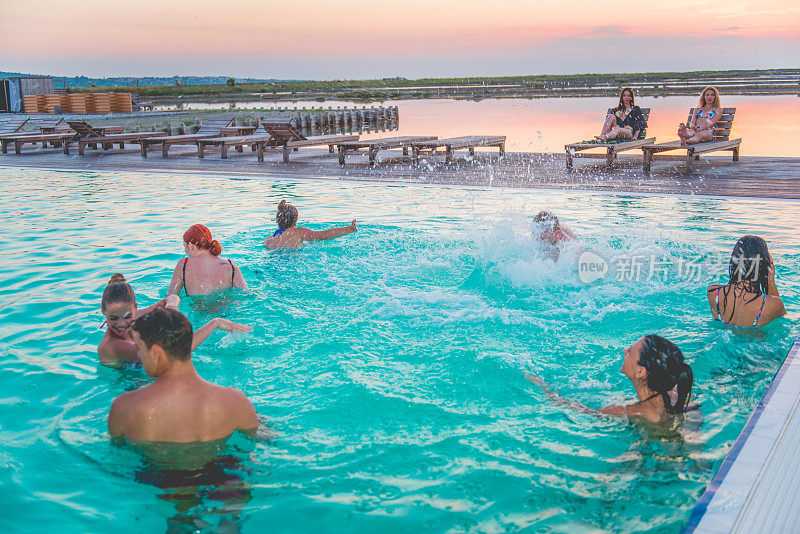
(179, 406)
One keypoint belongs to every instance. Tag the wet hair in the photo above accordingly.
(286, 216)
(666, 370)
(200, 236)
(546, 218)
(621, 105)
(167, 328)
(748, 267)
(702, 102)
(117, 290)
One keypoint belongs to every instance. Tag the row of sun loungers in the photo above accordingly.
(270, 134)
(720, 142)
(282, 134)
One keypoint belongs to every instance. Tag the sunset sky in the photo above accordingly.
(414, 38)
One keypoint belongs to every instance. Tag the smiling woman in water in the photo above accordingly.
(118, 305)
(660, 377)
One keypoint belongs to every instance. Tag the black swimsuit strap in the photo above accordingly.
(233, 271)
(653, 396)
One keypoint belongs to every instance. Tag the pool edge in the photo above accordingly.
(710, 493)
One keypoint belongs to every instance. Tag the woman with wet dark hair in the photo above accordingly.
(750, 298)
(660, 376)
(289, 235)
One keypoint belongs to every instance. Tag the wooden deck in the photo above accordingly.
(717, 176)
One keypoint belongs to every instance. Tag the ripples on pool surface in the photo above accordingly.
(390, 364)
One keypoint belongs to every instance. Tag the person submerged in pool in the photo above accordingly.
(179, 406)
(750, 298)
(661, 379)
(204, 271)
(119, 307)
(289, 235)
(548, 230)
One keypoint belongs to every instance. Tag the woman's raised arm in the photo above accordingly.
(330, 233)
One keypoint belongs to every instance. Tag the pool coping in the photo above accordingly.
(726, 497)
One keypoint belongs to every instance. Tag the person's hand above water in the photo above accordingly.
(230, 326)
(202, 333)
(354, 226)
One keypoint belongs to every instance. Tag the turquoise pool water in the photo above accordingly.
(389, 365)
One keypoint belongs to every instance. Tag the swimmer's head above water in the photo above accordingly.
(656, 365)
(198, 238)
(750, 265)
(118, 305)
(546, 220)
(162, 336)
(286, 216)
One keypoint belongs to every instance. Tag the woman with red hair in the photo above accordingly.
(204, 270)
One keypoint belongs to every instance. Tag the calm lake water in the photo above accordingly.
(769, 125)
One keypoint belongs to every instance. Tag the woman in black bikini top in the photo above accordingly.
(626, 121)
(207, 271)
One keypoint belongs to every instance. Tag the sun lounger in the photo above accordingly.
(224, 142)
(12, 126)
(456, 143)
(32, 138)
(613, 147)
(373, 146)
(208, 129)
(45, 126)
(721, 141)
(92, 137)
(285, 136)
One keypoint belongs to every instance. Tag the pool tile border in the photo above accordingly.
(726, 495)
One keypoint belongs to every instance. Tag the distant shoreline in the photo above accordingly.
(740, 82)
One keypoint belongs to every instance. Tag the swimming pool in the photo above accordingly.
(390, 364)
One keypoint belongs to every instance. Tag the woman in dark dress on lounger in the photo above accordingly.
(625, 121)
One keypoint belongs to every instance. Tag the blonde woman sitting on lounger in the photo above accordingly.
(701, 127)
(625, 121)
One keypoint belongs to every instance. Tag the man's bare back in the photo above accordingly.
(179, 406)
